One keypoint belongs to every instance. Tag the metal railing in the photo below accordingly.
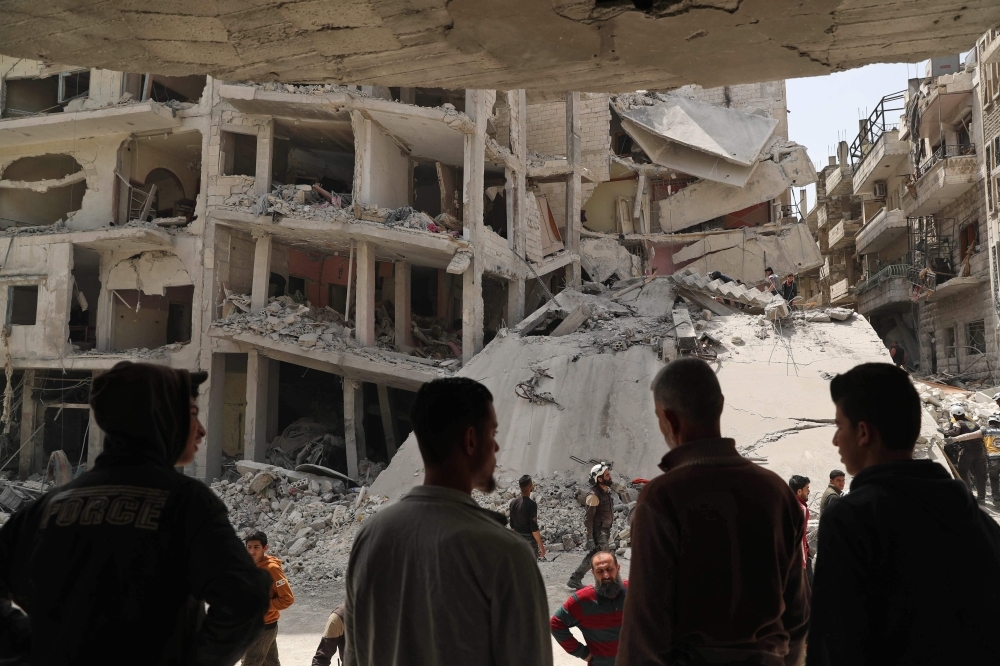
(876, 126)
(889, 272)
(944, 152)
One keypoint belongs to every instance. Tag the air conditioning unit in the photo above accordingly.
(881, 191)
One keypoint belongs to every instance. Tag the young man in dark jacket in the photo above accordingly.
(874, 601)
(116, 566)
(716, 575)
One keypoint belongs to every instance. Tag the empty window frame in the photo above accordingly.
(23, 304)
(950, 342)
(969, 237)
(73, 85)
(239, 154)
(975, 337)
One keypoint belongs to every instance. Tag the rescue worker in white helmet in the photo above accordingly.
(972, 456)
(597, 521)
(991, 438)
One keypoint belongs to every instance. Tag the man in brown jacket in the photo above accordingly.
(716, 575)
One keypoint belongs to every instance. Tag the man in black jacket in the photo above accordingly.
(116, 567)
(875, 600)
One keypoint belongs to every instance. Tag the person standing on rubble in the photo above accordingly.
(716, 571)
(972, 454)
(789, 290)
(771, 282)
(875, 602)
(436, 578)
(264, 649)
(597, 520)
(524, 517)
(836, 489)
(991, 440)
(116, 567)
(332, 642)
(597, 610)
(800, 486)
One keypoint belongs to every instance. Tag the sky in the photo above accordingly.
(824, 110)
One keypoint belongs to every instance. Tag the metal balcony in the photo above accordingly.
(890, 289)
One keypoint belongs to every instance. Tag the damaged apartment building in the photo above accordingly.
(906, 219)
(324, 250)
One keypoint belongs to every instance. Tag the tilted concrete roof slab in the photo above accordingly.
(555, 45)
(735, 136)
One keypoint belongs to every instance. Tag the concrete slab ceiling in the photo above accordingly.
(558, 45)
(126, 119)
(420, 248)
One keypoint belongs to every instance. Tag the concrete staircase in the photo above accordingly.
(689, 279)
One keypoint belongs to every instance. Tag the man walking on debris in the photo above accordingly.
(800, 486)
(436, 578)
(789, 290)
(833, 491)
(597, 610)
(332, 642)
(597, 521)
(264, 649)
(716, 573)
(524, 517)
(972, 451)
(991, 438)
(116, 566)
(875, 601)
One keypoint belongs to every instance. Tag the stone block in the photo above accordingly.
(300, 546)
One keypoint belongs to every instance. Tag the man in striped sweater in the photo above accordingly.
(597, 610)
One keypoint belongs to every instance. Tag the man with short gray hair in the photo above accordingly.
(716, 570)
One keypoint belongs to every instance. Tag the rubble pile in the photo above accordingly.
(979, 405)
(324, 329)
(317, 89)
(285, 320)
(311, 521)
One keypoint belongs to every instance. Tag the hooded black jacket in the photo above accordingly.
(908, 572)
(116, 566)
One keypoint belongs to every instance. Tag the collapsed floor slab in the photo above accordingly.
(775, 379)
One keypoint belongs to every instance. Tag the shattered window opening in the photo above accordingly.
(975, 335)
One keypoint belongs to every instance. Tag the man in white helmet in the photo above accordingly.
(972, 457)
(996, 399)
(991, 438)
(597, 521)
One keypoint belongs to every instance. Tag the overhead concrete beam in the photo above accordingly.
(500, 45)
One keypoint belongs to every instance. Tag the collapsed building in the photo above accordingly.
(906, 219)
(324, 250)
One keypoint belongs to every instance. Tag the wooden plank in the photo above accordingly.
(388, 424)
(446, 183)
(551, 241)
(623, 215)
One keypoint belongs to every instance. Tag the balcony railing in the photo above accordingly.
(944, 152)
(876, 126)
(889, 272)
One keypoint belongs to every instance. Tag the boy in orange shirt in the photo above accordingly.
(264, 650)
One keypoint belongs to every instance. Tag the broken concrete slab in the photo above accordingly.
(572, 322)
(686, 338)
(787, 166)
(693, 136)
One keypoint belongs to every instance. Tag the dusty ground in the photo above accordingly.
(301, 626)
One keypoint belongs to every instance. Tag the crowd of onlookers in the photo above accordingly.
(134, 562)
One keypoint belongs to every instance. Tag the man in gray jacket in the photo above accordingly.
(833, 491)
(437, 579)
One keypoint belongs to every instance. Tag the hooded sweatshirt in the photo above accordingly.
(281, 592)
(908, 572)
(116, 566)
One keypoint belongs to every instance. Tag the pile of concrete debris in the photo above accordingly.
(324, 329)
(285, 320)
(311, 520)
(318, 89)
(938, 401)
